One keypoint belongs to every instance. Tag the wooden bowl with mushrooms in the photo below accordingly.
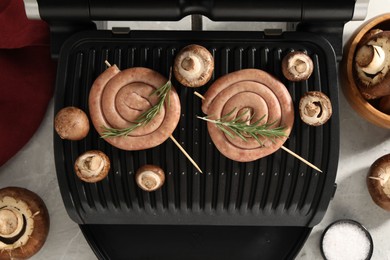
(365, 71)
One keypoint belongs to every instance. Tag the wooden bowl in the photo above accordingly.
(364, 108)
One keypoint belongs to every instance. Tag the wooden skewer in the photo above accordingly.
(199, 95)
(186, 154)
(174, 140)
(300, 158)
(283, 147)
(107, 63)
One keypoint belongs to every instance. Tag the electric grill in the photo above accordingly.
(258, 210)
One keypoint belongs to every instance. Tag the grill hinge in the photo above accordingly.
(121, 30)
(273, 32)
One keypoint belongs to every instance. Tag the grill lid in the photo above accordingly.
(216, 10)
(326, 18)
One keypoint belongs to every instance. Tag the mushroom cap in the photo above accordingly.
(150, 177)
(193, 66)
(297, 66)
(373, 86)
(71, 123)
(92, 166)
(379, 189)
(41, 222)
(315, 108)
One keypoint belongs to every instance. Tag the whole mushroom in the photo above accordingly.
(92, 166)
(150, 177)
(24, 223)
(71, 123)
(315, 108)
(193, 66)
(297, 66)
(372, 65)
(378, 182)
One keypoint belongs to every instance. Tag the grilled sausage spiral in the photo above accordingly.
(117, 98)
(259, 93)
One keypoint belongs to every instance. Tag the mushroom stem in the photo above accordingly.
(8, 222)
(371, 59)
(188, 64)
(149, 180)
(150, 177)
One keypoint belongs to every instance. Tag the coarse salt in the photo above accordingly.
(345, 241)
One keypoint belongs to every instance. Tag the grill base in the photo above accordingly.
(194, 242)
(277, 190)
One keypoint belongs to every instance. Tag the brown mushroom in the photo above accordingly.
(71, 123)
(24, 223)
(297, 66)
(378, 182)
(150, 177)
(193, 66)
(92, 166)
(315, 108)
(372, 64)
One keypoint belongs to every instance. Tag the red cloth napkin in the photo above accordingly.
(27, 76)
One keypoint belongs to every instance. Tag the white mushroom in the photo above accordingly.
(315, 108)
(24, 223)
(150, 177)
(297, 66)
(193, 66)
(92, 166)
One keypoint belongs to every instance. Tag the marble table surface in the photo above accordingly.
(361, 143)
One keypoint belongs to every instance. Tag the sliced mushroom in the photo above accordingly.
(372, 64)
(193, 66)
(297, 66)
(315, 108)
(24, 223)
(150, 177)
(378, 182)
(71, 123)
(92, 166)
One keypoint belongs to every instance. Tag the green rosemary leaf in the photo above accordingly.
(147, 116)
(242, 128)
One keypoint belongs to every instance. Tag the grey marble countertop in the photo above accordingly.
(361, 144)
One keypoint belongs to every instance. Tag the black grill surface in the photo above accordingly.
(277, 190)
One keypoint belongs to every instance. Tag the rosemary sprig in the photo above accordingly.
(241, 128)
(147, 116)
